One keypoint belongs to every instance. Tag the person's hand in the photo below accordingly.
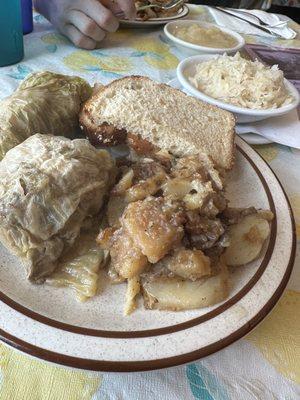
(85, 22)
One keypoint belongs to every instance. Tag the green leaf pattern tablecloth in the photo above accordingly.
(263, 366)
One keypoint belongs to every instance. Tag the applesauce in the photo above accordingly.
(205, 36)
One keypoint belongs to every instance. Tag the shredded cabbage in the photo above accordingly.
(244, 83)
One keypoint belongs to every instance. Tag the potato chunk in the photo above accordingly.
(145, 187)
(133, 289)
(164, 293)
(153, 226)
(189, 264)
(126, 258)
(124, 183)
(198, 165)
(201, 192)
(246, 239)
(177, 188)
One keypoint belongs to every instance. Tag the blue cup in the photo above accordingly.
(27, 16)
(11, 32)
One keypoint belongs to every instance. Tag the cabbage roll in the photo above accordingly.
(50, 186)
(45, 102)
(79, 267)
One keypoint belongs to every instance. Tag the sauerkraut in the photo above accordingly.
(241, 82)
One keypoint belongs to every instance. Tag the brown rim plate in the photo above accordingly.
(158, 340)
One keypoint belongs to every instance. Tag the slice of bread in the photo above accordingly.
(161, 115)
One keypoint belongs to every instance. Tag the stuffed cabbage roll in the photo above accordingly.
(79, 267)
(45, 102)
(50, 186)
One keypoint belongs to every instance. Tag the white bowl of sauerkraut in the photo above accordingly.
(248, 89)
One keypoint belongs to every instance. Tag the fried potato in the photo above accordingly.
(246, 239)
(188, 264)
(201, 192)
(124, 183)
(193, 192)
(133, 289)
(266, 214)
(126, 257)
(164, 293)
(113, 275)
(177, 188)
(145, 188)
(200, 165)
(153, 226)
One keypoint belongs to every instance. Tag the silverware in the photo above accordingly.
(168, 6)
(261, 22)
(262, 28)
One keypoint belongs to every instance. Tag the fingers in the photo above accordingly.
(103, 17)
(86, 25)
(113, 6)
(128, 7)
(78, 38)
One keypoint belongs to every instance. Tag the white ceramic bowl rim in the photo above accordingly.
(237, 36)
(227, 106)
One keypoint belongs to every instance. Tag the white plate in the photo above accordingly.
(48, 323)
(186, 68)
(138, 23)
(196, 49)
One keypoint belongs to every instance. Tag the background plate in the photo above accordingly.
(49, 323)
(183, 12)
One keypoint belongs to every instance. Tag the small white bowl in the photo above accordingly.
(195, 48)
(187, 68)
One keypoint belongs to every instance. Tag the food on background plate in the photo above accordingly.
(169, 224)
(144, 12)
(44, 102)
(204, 36)
(50, 186)
(241, 82)
(150, 116)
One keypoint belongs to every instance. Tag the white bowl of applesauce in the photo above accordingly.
(203, 37)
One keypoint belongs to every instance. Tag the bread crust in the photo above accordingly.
(104, 134)
(109, 135)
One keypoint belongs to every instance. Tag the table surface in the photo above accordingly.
(264, 365)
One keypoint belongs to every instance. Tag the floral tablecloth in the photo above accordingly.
(263, 366)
